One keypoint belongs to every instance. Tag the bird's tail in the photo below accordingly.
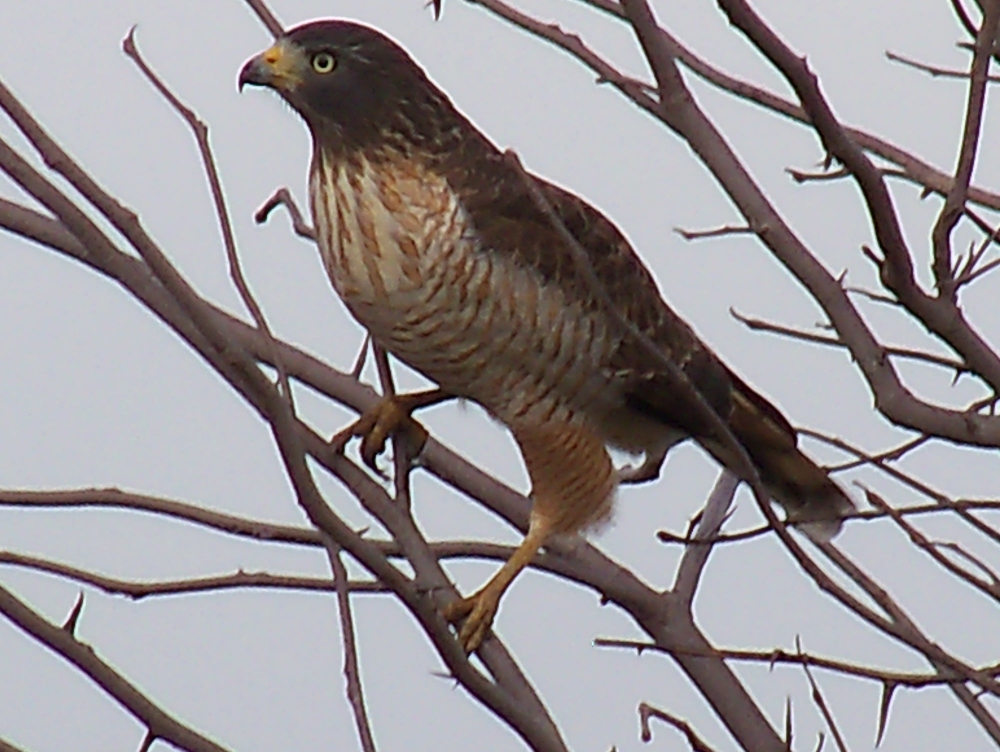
(811, 499)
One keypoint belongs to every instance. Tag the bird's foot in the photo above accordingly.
(390, 417)
(476, 614)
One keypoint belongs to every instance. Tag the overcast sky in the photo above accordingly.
(95, 392)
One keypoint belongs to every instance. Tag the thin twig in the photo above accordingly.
(200, 130)
(352, 673)
(937, 507)
(820, 701)
(973, 275)
(955, 199)
(963, 17)
(887, 455)
(761, 325)
(147, 741)
(139, 590)
(797, 658)
(917, 485)
(933, 70)
(161, 724)
(198, 514)
(74, 615)
(932, 549)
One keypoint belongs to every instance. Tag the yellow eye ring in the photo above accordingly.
(323, 62)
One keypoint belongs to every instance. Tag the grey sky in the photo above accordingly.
(98, 393)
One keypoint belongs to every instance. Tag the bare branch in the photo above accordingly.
(139, 590)
(944, 505)
(200, 130)
(699, 548)
(63, 643)
(955, 200)
(266, 17)
(932, 549)
(114, 498)
(939, 314)
(909, 480)
(887, 455)
(963, 17)
(932, 70)
(913, 168)
(761, 325)
(352, 673)
(820, 701)
(777, 656)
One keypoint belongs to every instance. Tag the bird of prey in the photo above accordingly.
(460, 264)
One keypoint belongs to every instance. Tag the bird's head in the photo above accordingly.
(353, 85)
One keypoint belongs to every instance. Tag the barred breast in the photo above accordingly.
(404, 256)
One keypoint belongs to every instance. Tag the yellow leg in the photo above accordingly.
(478, 610)
(572, 484)
(390, 417)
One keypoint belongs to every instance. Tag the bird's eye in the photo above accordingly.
(323, 62)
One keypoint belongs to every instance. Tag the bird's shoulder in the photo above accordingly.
(512, 222)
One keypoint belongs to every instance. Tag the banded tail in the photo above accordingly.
(811, 499)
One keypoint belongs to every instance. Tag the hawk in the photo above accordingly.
(439, 247)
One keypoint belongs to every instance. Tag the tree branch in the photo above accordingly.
(161, 725)
(186, 586)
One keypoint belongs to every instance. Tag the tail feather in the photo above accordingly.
(811, 499)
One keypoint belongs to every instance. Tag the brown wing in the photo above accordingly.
(802, 487)
(509, 221)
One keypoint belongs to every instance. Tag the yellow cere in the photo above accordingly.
(284, 62)
(273, 55)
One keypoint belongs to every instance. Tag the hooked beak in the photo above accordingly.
(276, 67)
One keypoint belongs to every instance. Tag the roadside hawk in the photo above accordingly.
(440, 247)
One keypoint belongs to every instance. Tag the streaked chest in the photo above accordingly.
(381, 227)
(402, 252)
